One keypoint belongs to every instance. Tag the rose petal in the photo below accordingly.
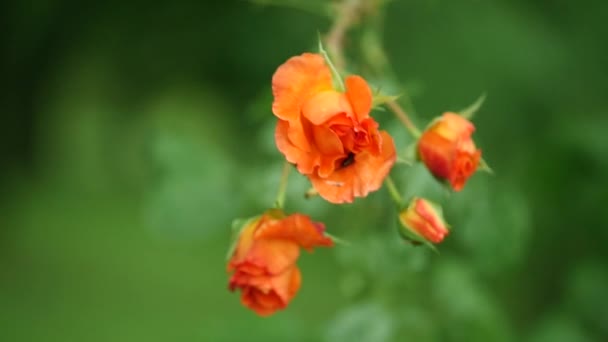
(437, 153)
(274, 254)
(305, 161)
(296, 228)
(323, 106)
(452, 126)
(360, 96)
(296, 81)
(366, 174)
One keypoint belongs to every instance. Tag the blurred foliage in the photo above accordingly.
(133, 133)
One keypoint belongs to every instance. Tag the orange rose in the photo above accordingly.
(421, 219)
(329, 135)
(447, 150)
(264, 260)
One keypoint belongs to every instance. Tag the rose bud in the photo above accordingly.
(422, 221)
(447, 150)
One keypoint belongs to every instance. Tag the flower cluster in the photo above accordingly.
(325, 130)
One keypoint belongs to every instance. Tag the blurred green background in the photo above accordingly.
(134, 132)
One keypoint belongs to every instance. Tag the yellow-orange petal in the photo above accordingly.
(275, 255)
(305, 160)
(359, 95)
(296, 81)
(363, 176)
(296, 228)
(323, 106)
(452, 127)
(434, 228)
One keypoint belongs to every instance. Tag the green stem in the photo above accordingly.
(392, 190)
(404, 118)
(280, 201)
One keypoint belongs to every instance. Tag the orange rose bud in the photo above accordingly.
(263, 262)
(422, 221)
(447, 150)
(329, 134)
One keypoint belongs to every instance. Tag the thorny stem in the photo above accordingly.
(404, 118)
(392, 190)
(280, 201)
(349, 12)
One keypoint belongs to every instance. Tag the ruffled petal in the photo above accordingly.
(276, 293)
(287, 284)
(323, 106)
(275, 255)
(305, 160)
(327, 141)
(263, 303)
(363, 176)
(360, 96)
(464, 166)
(298, 229)
(296, 81)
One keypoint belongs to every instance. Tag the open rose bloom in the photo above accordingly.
(328, 134)
(264, 260)
(448, 151)
(423, 220)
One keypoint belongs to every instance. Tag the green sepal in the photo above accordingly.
(413, 238)
(470, 111)
(337, 240)
(336, 78)
(238, 225)
(380, 99)
(433, 122)
(411, 235)
(484, 167)
(275, 213)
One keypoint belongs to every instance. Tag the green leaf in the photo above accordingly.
(470, 111)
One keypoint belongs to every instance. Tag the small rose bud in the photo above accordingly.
(422, 221)
(447, 150)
